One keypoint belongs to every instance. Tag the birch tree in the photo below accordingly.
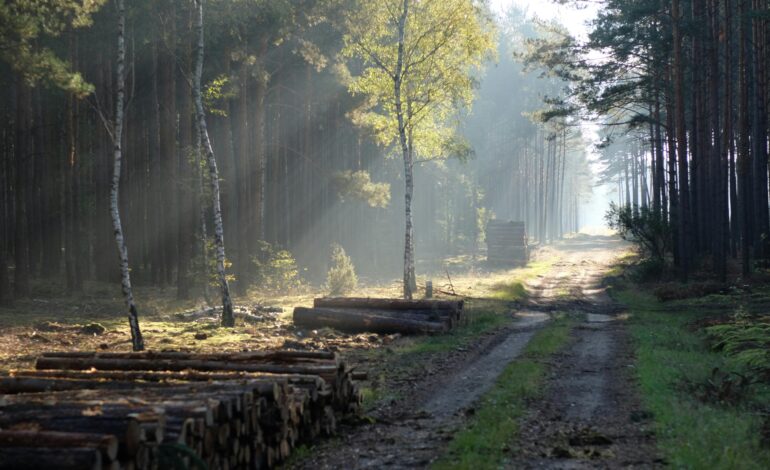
(219, 238)
(418, 62)
(117, 136)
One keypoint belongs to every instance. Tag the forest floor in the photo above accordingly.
(577, 413)
(569, 362)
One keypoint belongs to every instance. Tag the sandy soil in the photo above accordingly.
(590, 414)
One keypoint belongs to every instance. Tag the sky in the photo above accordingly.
(575, 20)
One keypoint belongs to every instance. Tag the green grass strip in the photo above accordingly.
(486, 441)
(690, 432)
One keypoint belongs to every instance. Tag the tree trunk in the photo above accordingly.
(133, 316)
(681, 140)
(407, 156)
(673, 196)
(227, 305)
(719, 177)
(21, 247)
(186, 213)
(744, 145)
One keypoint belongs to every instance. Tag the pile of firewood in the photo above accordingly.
(385, 316)
(170, 409)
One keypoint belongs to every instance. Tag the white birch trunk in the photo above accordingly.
(202, 218)
(219, 239)
(408, 165)
(133, 316)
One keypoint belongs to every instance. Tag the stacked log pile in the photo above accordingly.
(384, 316)
(170, 409)
(507, 243)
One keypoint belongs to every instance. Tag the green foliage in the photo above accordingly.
(341, 278)
(445, 41)
(746, 340)
(23, 24)
(648, 229)
(648, 270)
(359, 185)
(690, 432)
(693, 290)
(486, 439)
(216, 94)
(275, 269)
(722, 388)
(210, 265)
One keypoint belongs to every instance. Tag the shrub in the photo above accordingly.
(677, 291)
(648, 270)
(341, 277)
(275, 269)
(642, 226)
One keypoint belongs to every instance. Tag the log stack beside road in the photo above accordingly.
(384, 316)
(507, 243)
(162, 410)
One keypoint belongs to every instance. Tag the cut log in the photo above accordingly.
(107, 444)
(387, 304)
(223, 407)
(37, 458)
(251, 356)
(128, 430)
(358, 321)
(447, 317)
(86, 363)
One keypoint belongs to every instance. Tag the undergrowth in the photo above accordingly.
(745, 340)
(707, 409)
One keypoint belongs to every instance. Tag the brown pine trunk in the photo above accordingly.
(169, 227)
(759, 133)
(685, 238)
(718, 200)
(186, 211)
(673, 195)
(744, 164)
(22, 156)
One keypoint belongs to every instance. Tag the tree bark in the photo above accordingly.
(227, 306)
(137, 341)
(407, 155)
(363, 321)
(21, 246)
(681, 140)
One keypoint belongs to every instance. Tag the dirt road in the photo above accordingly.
(589, 416)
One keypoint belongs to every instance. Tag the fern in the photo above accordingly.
(745, 340)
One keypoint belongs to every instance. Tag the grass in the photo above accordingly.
(513, 287)
(691, 432)
(413, 354)
(485, 441)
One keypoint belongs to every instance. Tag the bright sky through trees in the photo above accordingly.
(575, 20)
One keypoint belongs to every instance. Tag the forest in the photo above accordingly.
(240, 227)
(300, 166)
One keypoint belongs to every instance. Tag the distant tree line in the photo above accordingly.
(689, 78)
(283, 125)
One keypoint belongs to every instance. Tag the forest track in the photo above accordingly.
(591, 415)
(414, 430)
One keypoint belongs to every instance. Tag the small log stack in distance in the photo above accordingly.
(384, 316)
(170, 409)
(507, 243)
